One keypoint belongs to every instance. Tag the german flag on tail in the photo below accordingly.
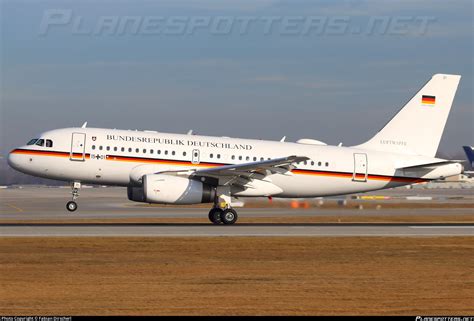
(428, 100)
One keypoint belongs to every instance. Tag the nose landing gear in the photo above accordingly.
(71, 206)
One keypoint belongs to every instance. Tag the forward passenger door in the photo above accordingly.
(78, 147)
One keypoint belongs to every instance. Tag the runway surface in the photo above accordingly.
(23, 206)
(105, 203)
(200, 230)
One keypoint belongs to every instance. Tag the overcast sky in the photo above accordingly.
(180, 65)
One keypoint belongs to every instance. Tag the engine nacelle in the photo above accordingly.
(168, 189)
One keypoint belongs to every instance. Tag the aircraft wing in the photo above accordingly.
(272, 166)
(241, 174)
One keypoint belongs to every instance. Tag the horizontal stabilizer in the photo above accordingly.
(436, 163)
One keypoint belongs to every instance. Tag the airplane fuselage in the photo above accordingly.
(120, 157)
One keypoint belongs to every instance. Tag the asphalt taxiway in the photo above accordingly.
(20, 207)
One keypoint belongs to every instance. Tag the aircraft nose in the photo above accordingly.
(13, 160)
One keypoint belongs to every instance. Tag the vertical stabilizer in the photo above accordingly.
(469, 150)
(417, 128)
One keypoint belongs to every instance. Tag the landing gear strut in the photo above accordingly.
(72, 205)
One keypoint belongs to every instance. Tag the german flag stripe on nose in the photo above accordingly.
(428, 100)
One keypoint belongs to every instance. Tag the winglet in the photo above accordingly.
(84, 125)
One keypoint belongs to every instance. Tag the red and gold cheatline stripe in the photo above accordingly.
(48, 153)
(188, 164)
(160, 161)
(323, 173)
(360, 176)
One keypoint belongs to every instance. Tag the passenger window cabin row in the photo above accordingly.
(49, 143)
(211, 155)
(136, 150)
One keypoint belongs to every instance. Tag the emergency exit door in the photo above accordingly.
(360, 167)
(78, 147)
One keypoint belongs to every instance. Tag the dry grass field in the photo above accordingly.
(236, 276)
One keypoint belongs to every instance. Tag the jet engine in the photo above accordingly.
(168, 189)
(135, 193)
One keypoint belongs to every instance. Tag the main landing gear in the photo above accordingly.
(222, 212)
(226, 216)
(72, 205)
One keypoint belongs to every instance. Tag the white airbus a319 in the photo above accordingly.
(187, 169)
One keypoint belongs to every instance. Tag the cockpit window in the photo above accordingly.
(32, 142)
(40, 142)
(49, 143)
